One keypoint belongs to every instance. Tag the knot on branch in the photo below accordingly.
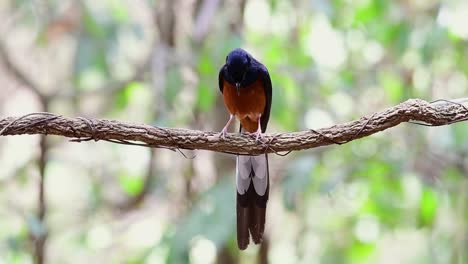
(16, 126)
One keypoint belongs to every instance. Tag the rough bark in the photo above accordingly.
(436, 113)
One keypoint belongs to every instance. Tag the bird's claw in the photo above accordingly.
(259, 136)
(222, 134)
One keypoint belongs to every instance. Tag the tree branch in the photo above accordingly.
(437, 113)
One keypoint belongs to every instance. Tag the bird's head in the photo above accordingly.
(238, 63)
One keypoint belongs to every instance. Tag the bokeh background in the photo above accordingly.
(400, 196)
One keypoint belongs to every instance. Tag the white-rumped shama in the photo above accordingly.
(246, 87)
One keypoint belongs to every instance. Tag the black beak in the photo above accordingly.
(238, 88)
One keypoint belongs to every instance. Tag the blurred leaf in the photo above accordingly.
(386, 192)
(452, 175)
(206, 97)
(91, 25)
(392, 85)
(208, 85)
(284, 117)
(428, 207)
(212, 217)
(95, 44)
(359, 252)
(375, 169)
(118, 9)
(394, 36)
(89, 59)
(131, 184)
(124, 96)
(173, 85)
(285, 96)
(205, 65)
(433, 44)
(272, 54)
(459, 132)
(273, 5)
(17, 242)
(17, 258)
(402, 33)
(95, 196)
(368, 11)
(297, 180)
(347, 77)
(13, 243)
(333, 255)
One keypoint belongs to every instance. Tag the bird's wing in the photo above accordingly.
(268, 94)
(221, 78)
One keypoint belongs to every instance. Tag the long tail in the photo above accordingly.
(252, 178)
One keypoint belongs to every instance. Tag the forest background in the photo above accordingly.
(400, 196)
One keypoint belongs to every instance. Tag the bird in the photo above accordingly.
(247, 92)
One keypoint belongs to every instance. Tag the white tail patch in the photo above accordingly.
(245, 165)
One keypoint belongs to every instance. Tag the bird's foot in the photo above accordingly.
(223, 133)
(258, 135)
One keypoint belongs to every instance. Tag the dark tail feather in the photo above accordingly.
(242, 226)
(257, 223)
(251, 209)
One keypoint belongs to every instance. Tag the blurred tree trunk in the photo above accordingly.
(263, 252)
(38, 235)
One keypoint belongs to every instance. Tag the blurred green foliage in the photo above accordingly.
(396, 197)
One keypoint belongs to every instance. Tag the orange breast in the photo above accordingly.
(248, 106)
